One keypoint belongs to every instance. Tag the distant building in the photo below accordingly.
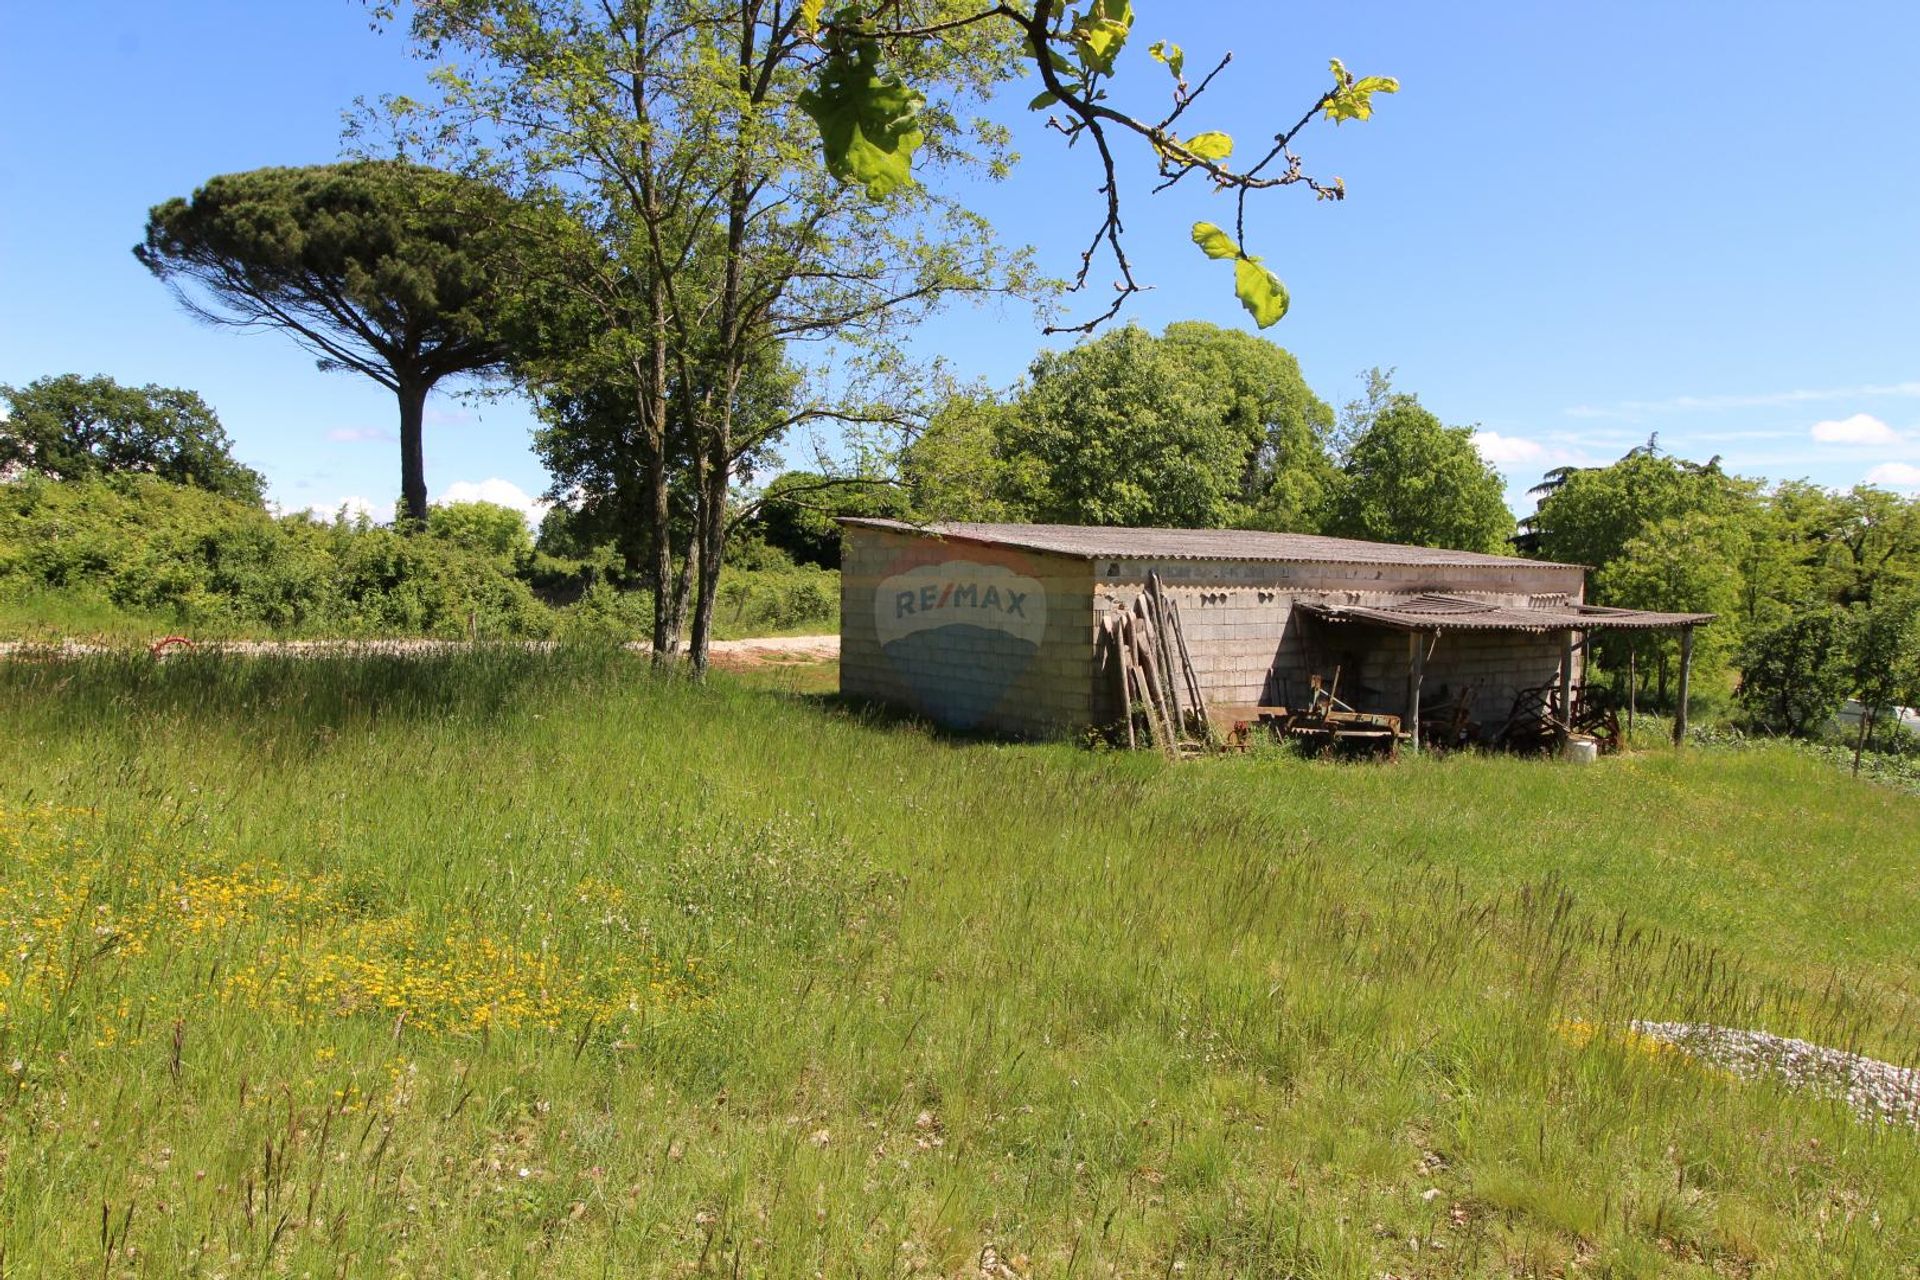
(997, 626)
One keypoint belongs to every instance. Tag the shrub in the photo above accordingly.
(195, 557)
(754, 601)
(1794, 676)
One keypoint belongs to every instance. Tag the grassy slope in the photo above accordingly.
(1100, 1014)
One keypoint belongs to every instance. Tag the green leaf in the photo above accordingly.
(869, 122)
(1353, 99)
(1212, 145)
(1214, 242)
(1172, 55)
(1259, 291)
(1100, 32)
(810, 16)
(1042, 99)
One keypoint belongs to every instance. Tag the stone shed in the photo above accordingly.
(996, 626)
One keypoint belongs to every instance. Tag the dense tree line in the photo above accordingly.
(1817, 590)
(126, 503)
(638, 210)
(1200, 427)
(642, 214)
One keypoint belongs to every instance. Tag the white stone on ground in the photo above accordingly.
(1875, 1090)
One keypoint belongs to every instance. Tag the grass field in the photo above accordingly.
(511, 965)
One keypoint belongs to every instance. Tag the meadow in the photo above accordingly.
(511, 964)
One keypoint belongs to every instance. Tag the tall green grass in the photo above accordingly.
(956, 1007)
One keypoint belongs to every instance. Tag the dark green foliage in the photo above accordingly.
(799, 509)
(1795, 675)
(1287, 476)
(144, 545)
(385, 268)
(1886, 654)
(1409, 478)
(74, 428)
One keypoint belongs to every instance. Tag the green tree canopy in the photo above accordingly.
(755, 174)
(384, 268)
(955, 469)
(1126, 435)
(1685, 564)
(799, 513)
(71, 428)
(1201, 427)
(1287, 475)
(1885, 659)
(497, 532)
(1409, 478)
(1795, 674)
(1592, 513)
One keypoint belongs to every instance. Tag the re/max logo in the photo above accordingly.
(957, 595)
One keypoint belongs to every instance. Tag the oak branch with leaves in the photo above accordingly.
(868, 119)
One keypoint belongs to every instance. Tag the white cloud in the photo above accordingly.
(1768, 399)
(1861, 428)
(358, 435)
(1506, 450)
(494, 489)
(1895, 475)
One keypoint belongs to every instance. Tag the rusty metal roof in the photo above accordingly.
(1433, 612)
(1090, 543)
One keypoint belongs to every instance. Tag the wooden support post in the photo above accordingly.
(1564, 711)
(1686, 669)
(1633, 681)
(1416, 675)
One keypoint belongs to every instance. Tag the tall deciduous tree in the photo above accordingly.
(1885, 659)
(1591, 514)
(382, 268)
(1407, 477)
(1202, 427)
(71, 428)
(749, 173)
(1686, 564)
(1795, 674)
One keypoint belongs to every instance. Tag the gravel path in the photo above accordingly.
(1875, 1090)
(740, 652)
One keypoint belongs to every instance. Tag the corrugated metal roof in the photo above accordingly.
(1091, 543)
(1458, 613)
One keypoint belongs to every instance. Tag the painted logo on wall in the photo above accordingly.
(960, 632)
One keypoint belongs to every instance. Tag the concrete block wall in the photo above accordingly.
(1250, 646)
(1494, 665)
(946, 655)
(915, 632)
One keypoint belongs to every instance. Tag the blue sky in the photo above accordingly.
(1575, 226)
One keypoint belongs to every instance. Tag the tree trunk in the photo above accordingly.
(666, 627)
(710, 528)
(709, 537)
(413, 454)
(655, 432)
(1860, 740)
(683, 588)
